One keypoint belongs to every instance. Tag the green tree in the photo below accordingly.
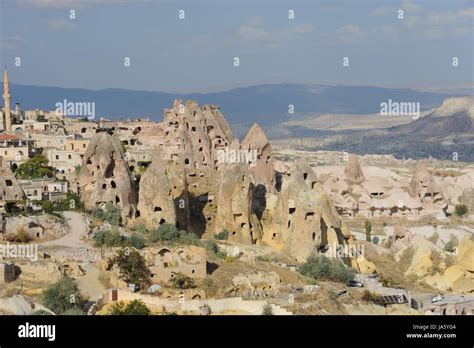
(223, 235)
(136, 241)
(166, 232)
(368, 230)
(450, 246)
(181, 281)
(62, 296)
(48, 207)
(77, 169)
(34, 168)
(460, 209)
(136, 307)
(321, 267)
(111, 214)
(267, 309)
(133, 268)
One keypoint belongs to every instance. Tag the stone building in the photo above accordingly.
(7, 272)
(167, 262)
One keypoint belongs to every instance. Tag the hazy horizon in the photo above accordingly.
(88, 51)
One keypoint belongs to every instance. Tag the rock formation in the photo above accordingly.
(10, 190)
(353, 171)
(105, 176)
(234, 206)
(301, 219)
(262, 171)
(156, 204)
(425, 187)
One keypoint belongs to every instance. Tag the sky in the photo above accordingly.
(196, 54)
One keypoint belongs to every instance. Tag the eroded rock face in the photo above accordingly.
(255, 285)
(301, 219)
(234, 206)
(195, 135)
(10, 190)
(353, 171)
(179, 191)
(425, 187)
(156, 204)
(105, 176)
(262, 171)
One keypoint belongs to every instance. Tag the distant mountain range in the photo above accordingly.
(265, 104)
(445, 133)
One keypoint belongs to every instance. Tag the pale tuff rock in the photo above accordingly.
(303, 219)
(10, 190)
(255, 285)
(425, 187)
(262, 171)
(156, 205)
(35, 227)
(179, 191)
(234, 206)
(460, 276)
(353, 171)
(195, 135)
(105, 176)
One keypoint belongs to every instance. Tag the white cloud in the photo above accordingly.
(11, 43)
(253, 31)
(383, 10)
(71, 4)
(449, 17)
(350, 34)
(60, 24)
(302, 29)
(410, 7)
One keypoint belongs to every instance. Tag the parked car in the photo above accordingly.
(437, 298)
(354, 284)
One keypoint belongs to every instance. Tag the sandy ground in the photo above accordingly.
(89, 284)
(78, 228)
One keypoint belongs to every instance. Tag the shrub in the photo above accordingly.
(267, 309)
(136, 241)
(63, 295)
(111, 214)
(333, 295)
(450, 246)
(369, 297)
(223, 235)
(140, 228)
(166, 232)
(368, 230)
(113, 239)
(189, 238)
(48, 207)
(133, 268)
(321, 267)
(73, 311)
(181, 281)
(22, 236)
(460, 209)
(136, 307)
(434, 238)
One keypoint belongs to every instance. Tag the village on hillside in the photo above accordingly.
(102, 216)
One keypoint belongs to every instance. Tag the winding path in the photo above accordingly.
(78, 229)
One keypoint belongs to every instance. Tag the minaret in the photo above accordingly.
(7, 97)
